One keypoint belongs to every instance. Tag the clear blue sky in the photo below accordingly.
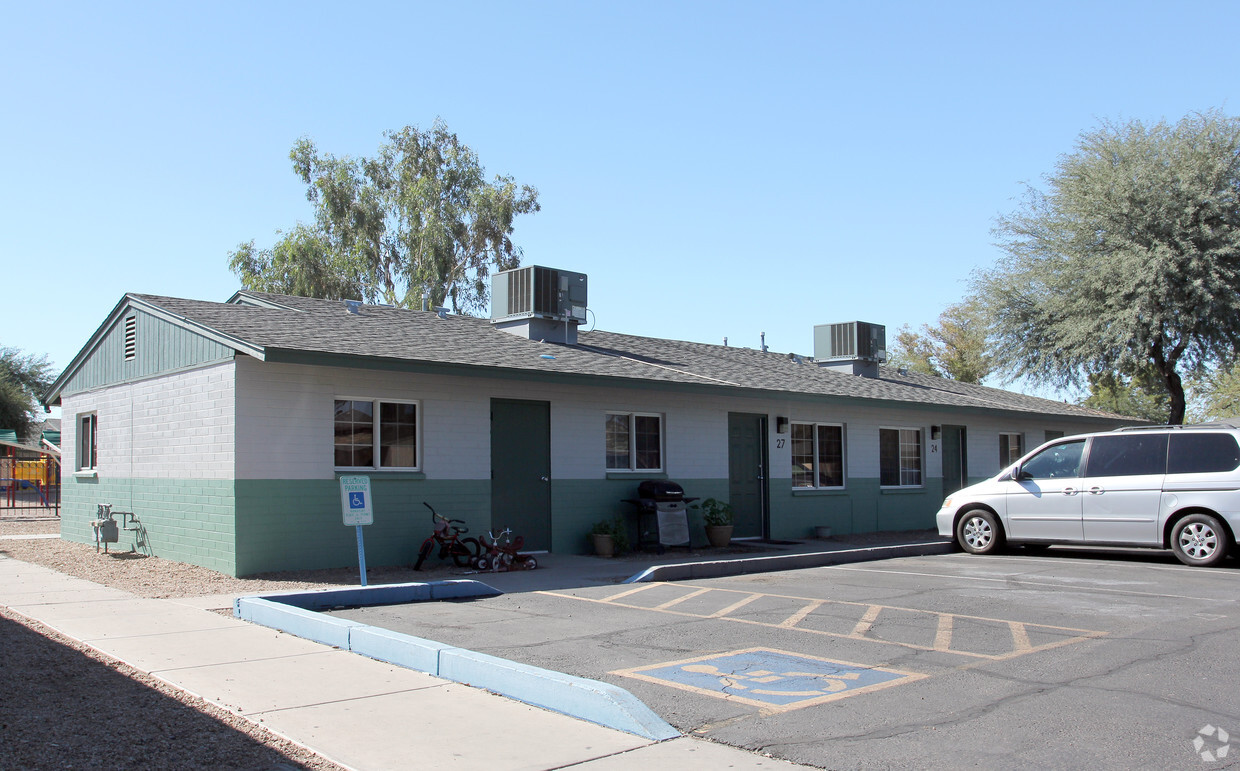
(716, 168)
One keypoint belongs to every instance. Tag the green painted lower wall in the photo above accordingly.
(294, 524)
(186, 520)
(579, 503)
(245, 527)
(863, 508)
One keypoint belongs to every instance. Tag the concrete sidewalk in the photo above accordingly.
(366, 714)
(354, 711)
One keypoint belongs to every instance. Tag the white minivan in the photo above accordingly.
(1164, 487)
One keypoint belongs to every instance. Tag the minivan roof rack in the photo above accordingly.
(1217, 425)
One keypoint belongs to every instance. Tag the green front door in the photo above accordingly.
(747, 473)
(955, 459)
(521, 470)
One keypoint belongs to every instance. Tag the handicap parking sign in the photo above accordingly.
(355, 500)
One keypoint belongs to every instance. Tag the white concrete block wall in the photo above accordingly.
(284, 424)
(176, 426)
(284, 421)
(285, 414)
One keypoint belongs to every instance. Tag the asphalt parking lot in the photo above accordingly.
(1067, 659)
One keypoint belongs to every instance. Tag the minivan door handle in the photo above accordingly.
(1069, 491)
(1096, 490)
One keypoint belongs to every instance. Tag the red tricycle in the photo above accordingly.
(502, 553)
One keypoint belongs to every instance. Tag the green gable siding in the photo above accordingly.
(159, 347)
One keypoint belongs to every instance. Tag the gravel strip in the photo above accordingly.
(68, 706)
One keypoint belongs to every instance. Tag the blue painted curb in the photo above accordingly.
(687, 571)
(297, 613)
(598, 702)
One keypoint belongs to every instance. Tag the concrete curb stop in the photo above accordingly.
(297, 613)
(686, 571)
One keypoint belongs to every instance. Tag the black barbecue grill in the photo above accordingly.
(662, 516)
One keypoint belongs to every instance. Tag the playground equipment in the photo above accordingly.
(41, 477)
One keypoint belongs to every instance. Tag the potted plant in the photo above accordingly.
(610, 537)
(717, 516)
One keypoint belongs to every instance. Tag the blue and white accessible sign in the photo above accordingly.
(355, 500)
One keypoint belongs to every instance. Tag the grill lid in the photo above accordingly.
(660, 490)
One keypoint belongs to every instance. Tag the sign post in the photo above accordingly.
(355, 504)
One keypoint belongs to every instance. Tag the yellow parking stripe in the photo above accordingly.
(1020, 637)
(945, 623)
(735, 606)
(678, 600)
(799, 616)
(943, 636)
(866, 623)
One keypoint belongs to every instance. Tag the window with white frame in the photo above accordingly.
(1011, 447)
(899, 457)
(634, 441)
(370, 433)
(87, 442)
(817, 455)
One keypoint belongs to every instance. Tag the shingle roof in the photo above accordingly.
(271, 323)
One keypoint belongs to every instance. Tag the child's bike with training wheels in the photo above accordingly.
(447, 534)
(502, 553)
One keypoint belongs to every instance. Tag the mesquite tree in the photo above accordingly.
(1129, 259)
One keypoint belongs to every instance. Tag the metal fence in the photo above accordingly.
(30, 484)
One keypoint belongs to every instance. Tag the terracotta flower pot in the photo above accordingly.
(719, 535)
(604, 545)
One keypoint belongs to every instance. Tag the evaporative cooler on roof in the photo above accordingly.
(857, 347)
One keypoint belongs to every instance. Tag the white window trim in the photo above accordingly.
(632, 468)
(375, 402)
(93, 468)
(921, 457)
(843, 455)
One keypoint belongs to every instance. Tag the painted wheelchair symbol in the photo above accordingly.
(750, 681)
(773, 680)
(357, 501)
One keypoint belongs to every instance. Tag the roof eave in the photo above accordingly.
(52, 397)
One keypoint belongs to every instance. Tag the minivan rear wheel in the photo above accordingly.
(1199, 540)
(978, 532)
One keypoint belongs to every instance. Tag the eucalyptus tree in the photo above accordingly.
(419, 222)
(1128, 260)
(955, 347)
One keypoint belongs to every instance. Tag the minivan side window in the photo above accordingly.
(1127, 455)
(1055, 462)
(1203, 453)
